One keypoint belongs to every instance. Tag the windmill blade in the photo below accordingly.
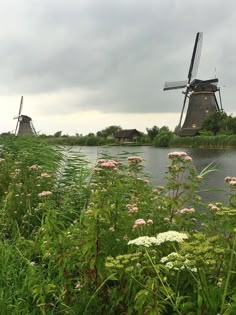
(184, 103)
(32, 126)
(197, 48)
(17, 124)
(221, 107)
(19, 114)
(21, 106)
(175, 85)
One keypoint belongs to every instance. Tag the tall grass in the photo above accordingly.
(76, 240)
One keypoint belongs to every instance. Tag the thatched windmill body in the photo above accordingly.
(24, 125)
(201, 95)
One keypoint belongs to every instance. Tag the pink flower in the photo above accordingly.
(187, 210)
(108, 164)
(188, 158)
(176, 154)
(101, 161)
(213, 207)
(133, 160)
(96, 169)
(133, 210)
(45, 193)
(232, 183)
(139, 223)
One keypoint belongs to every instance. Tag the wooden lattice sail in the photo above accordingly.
(201, 95)
(24, 125)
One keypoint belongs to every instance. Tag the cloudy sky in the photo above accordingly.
(83, 65)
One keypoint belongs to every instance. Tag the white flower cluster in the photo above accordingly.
(178, 262)
(171, 236)
(143, 241)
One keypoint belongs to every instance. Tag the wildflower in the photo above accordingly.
(45, 193)
(34, 167)
(108, 164)
(199, 177)
(93, 185)
(213, 207)
(133, 210)
(171, 236)
(143, 241)
(101, 161)
(1, 160)
(134, 160)
(177, 154)
(232, 183)
(139, 223)
(78, 286)
(187, 210)
(112, 229)
(228, 178)
(32, 263)
(149, 222)
(188, 158)
(96, 169)
(46, 175)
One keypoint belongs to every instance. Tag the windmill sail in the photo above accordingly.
(200, 93)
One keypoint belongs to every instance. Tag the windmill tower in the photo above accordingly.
(201, 94)
(24, 125)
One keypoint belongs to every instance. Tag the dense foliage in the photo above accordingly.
(76, 240)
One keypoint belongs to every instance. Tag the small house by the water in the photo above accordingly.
(127, 135)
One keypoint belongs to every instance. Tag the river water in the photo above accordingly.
(156, 161)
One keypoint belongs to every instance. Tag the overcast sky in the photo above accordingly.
(83, 65)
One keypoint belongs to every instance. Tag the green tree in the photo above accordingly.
(215, 122)
(164, 137)
(231, 124)
(109, 131)
(57, 134)
(152, 132)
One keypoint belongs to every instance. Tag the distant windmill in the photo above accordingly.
(201, 94)
(24, 125)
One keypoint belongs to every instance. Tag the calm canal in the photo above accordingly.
(156, 161)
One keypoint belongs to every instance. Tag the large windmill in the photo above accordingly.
(201, 94)
(24, 125)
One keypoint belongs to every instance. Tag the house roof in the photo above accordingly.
(127, 133)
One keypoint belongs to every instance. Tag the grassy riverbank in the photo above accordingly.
(218, 141)
(76, 240)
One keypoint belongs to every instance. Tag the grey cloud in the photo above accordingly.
(120, 52)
